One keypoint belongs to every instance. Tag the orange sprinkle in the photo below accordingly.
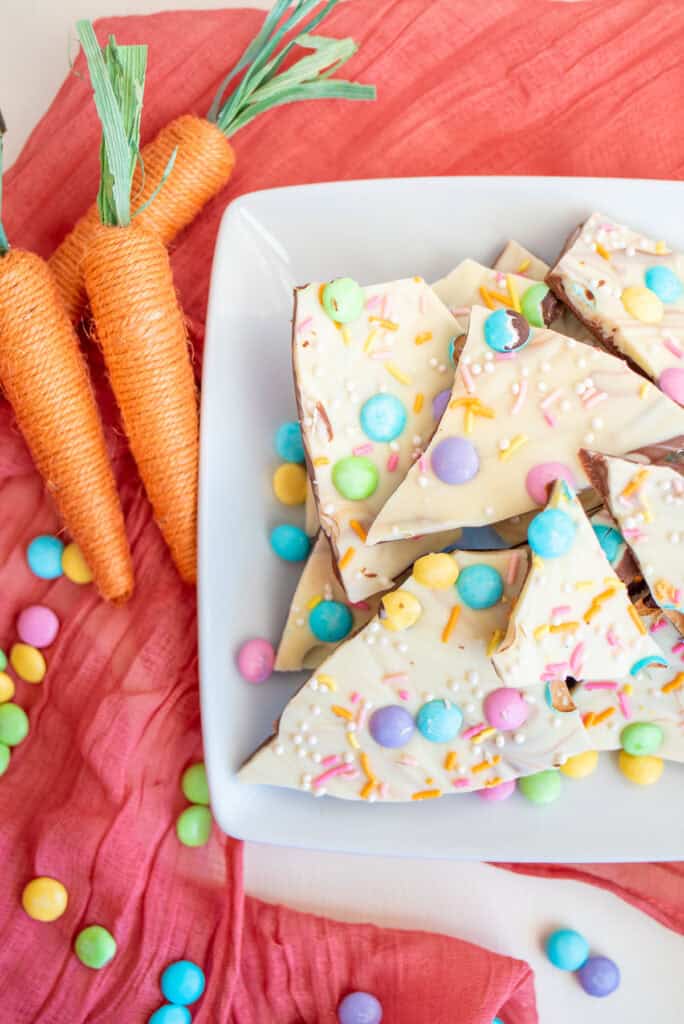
(634, 615)
(451, 623)
(397, 373)
(487, 298)
(601, 717)
(418, 402)
(422, 338)
(346, 558)
(341, 712)
(469, 421)
(367, 789)
(358, 530)
(525, 265)
(321, 461)
(583, 584)
(321, 289)
(344, 331)
(450, 761)
(589, 719)
(518, 441)
(602, 251)
(541, 631)
(634, 484)
(564, 627)
(674, 684)
(494, 641)
(366, 766)
(643, 390)
(484, 734)
(426, 794)
(496, 781)
(353, 742)
(484, 765)
(596, 605)
(512, 293)
(369, 340)
(327, 681)
(313, 602)
(387, 325)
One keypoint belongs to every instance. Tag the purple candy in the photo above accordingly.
(599, 976)
(37, 626)
(359, 1008)
(391, 726)
(440, 402)
(496, 793)
(455, 460)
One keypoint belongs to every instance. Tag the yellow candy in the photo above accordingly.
(643, 304)
(581, 765)
(75, 566)
(44, 899)
(403, 610)
(28, 663)
(6, 687)
(643, 770)
(289, 483)
(438, 572)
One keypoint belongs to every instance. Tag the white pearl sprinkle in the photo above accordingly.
(316, 757)
(673, 537)
(314, 684)
(302, 752)
(516, 388)
(454, 686)
(297, 739)
(582, 363)
(394, 446)
(432, 362)
(472, 676)
(489, 511)
(504, 443)
(348, 758)
(299, 622)
(542, 386)
(441, 368)
(499, 741)
(566, 405)
(470, 707)
(589, 438)
(329, 510)
(313, 740)
(597, 423)
(279, 749)
(519, 737)
(476, 369)
(422, 481)
(546, 367)
(524, 372)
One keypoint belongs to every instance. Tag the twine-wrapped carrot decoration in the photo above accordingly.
(205, 158)
(138, 322)
(44, 377)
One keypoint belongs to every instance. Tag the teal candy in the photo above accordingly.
(567, 949)
(44, 556)
(611, 541)
(650, 659)
(497, 1020)
(169, 1014)
(182, 982)
(439, 721)
(541, 788)
(290, 542)
(343, 300)
(355, 477)
(640, 738)
(288, 442)
(480, 586)
(330, 621)
(498, 332)
(665, 283)
(549, 699)
(551, 533)
(452, 345)
(383, 417)
(530, 303)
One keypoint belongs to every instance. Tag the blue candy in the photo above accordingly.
(650, 659)
(290, 542)
(169, 1014)
(665, 283)
(330, 621)
(182, 982)
(383, 417)
(551, 533)
(452, 346)
(611, 541)
(497, 1020)
(480, 586)
(506, 331)
(44, 556)
(288, 442)
(567, 949)
(439, 721)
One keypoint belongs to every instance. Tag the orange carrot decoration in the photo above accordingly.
(204, 156)
(139, 324)
(45, 380)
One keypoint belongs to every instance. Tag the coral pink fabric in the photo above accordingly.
(506, 87)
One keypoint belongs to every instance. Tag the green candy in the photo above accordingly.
(355, 477)
(3, 661)
(541, 788)
(641, 738)
(530, 303)
(194, 784)
(343, 300)
(193, 826)
(4, 758)
(95, 946)
(14, 724)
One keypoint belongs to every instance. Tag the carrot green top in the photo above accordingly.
(265, 85)
(4, 244)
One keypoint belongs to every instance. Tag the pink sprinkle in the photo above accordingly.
(512, 567)
(408, 760)
(362, 449)
(678, 647)
(460, 311)
(551, 420)
(395, 677)
(372, 302)
(460, 783)
(361, 716)
(304, 324)
(557, 666)
(560, 610)
(362, 606)
(504, 355)
(625, 706)
(473, 730)
(678, 595)
(383, 307)
(468, 381)
(353, 697)
(612, 638)
(576, 660)
(392, 462)
(330, 760)
(550, 399)
(500, 279)
(422, 464)
(673, 347)
(658, 624)
(404, 694)
(599, 396)
(521, 396)
(339, 769)
(634, 533)
(383, 790)
(602, 685)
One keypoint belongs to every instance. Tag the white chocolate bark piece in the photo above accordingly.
(311, 523)
(300, 646)
(333, 736)
(395, 352)
(653, 695)
(471, 284)
(513, 423)
(629, 290)
(573, 618)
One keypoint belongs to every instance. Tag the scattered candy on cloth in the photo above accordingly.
(92, 794)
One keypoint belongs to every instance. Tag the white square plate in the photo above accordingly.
(372, 231)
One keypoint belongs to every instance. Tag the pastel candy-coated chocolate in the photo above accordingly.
(455, 460)
(437, 571)
(551, 533)
(640, 738)
(506, 331)
(391, 726)
(5, 756)
(642, 771)
(355, 477)
(359, 1008)
(383, 417)
(542, 787)
(193, 825)
(567, 949)
(480, 586)
(542, 475)
(6, 687)
(610, 539)
(182, 982)
(494, 794)
(506, 709)
(343, 300)
(290, 542)
(14, 724)
(671, 382)
(665, 283)
(28, 663)
(531, 303)
(170, 1014)
(599, 976)
(330, 621)
(401, 610)
(581, 765)
(3, 660)
(194, 784)
(44, 899)
(75, 566)
(289, 483)
(440, 402)
(288, 442)
(44, 556)
(255, 660)
(439, 721)
(37, 626)
(643, 304)
(95, 946)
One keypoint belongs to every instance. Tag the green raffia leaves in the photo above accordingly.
(4, 244)
(117, 75)
(264, 86)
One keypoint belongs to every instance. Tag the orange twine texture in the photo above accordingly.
(204, 163)
(44, 377)
(141, 330)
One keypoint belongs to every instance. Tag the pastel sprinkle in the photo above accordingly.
(392, 462)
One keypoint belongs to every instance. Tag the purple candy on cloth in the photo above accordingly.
(37, 626)
(440, 402)
(359, 1008)
(599, 976)
(455, 460)
(391, 726)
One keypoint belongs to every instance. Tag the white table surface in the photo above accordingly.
(505, 912)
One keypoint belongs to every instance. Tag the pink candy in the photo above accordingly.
(543, 474)
(505, 709)
(37, 626)
(255, 660)
(671, 381)
(496, 793)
